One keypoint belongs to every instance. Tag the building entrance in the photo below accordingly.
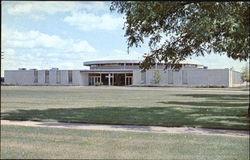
(113, 79)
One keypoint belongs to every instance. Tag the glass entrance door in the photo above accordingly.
(129, 80)
(94, 78)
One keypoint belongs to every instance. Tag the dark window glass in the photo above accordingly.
(70, 76)
(58, 76)
(46, 76)
(35, 76)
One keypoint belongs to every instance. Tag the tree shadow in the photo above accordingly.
(231, 97)
(207, 104)
(222, 108)
(214, 100)
(170, 116)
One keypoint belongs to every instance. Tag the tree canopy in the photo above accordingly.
(178, 30)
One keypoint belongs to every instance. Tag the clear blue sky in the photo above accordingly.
(64, 34)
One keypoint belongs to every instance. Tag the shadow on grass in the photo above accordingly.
(214, 100)
(207, 104)
(170, 116)
(229, 97)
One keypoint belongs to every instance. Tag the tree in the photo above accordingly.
(245, 74)
(178, 30)
(157, 77)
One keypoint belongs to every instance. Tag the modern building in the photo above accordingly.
(125, 72)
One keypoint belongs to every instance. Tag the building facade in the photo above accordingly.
(125, 72)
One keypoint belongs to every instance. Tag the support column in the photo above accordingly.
(125, 79)
(109, 78)
(113, 79)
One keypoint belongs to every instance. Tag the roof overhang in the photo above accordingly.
(107, 71)
(88, 63)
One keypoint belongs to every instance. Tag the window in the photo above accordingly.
(35, 76)
(46, 76)
(70, 76)
(58, 76)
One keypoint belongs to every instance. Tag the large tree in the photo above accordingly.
(178, 30)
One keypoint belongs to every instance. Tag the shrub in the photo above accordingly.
(157, 77)
(98, 84)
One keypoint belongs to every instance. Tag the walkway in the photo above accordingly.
(131, 128)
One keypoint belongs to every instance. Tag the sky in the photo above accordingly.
(64, 34)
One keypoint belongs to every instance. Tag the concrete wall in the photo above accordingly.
(52, 77)
(137, 77)
(19, 77)
(76, 78)
(235, 79)
(187, 77)
(217, 77)
(183, 77)
(26, 77)
(84, 79)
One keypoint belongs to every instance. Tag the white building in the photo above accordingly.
(125, 72)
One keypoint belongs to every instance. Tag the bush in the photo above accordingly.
(98, 84)
(157, 77)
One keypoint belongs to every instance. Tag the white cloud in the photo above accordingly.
(87, 21)
(35, 49)
(36, 39)
(82, 46)
(48, 7)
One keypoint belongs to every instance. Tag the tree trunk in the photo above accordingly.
(248, 111)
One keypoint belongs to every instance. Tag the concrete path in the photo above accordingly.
(130, 128)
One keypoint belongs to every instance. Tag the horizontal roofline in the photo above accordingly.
(88, 63)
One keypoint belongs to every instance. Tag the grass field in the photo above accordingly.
(48, 143)
(208, 108)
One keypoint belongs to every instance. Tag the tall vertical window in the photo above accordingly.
(70, 76)
(58, 76)
(46, 76)
(35, 76)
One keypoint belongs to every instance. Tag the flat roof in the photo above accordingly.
(88, 63)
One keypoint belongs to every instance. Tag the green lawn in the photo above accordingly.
(35, 142)
(210, 108)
